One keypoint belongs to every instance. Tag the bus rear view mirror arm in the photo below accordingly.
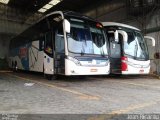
(115, 35)
(151, 38)
(124, 34)
(67, 26)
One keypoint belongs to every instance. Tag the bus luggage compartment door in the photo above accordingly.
(48, 64)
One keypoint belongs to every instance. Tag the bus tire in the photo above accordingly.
(50, 77)
(12, 66)
(15, 66)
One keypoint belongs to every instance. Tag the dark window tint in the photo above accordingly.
(49, 44)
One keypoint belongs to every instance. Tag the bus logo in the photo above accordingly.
(23, 52)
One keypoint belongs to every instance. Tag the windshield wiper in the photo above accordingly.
(102, 52)
(82, 50)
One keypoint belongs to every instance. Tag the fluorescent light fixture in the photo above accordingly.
(4, 1)
(42, 10)
(49, 5)
(54, 2)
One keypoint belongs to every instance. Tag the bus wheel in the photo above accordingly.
(12, 66)
(15, 66)
(54, 77)
(50, 77)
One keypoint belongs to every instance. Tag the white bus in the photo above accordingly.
(62, 43)
(128, 49)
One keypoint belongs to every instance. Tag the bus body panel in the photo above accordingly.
(19, 57)
(27, 57)
(72, 69)
(137, 67)
(18, 60)
(48, 64)
(35, 57)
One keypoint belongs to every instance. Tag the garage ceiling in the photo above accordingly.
(17, 15)
(34, 5)
(27, 11)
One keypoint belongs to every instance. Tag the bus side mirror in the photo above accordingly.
(115, 35)
(151, 38)
(124, 34)
(66, 26)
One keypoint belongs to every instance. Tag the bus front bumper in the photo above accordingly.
(72, 69)
(136, 71)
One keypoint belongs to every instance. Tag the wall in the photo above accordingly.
(4, 45)
(153, 25)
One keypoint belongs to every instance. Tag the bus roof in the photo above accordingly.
(62, 13)
(27, 34)
(119, 24)
(68, 13)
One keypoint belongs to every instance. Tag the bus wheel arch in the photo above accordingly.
(15, 66)
(12, 64)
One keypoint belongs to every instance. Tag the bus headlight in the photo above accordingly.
(74, 60)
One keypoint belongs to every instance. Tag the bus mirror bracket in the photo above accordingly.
(115, 32)
(151, 38)
(116, 36)
(124, 34)
(67, 26)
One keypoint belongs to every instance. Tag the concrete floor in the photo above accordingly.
(30, 93)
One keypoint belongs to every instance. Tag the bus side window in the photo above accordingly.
(41, 44)
(59, 41)
(48, 48)
(111, 37)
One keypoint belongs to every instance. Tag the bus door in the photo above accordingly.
(59, 53)
(48, 54)
(115, 53)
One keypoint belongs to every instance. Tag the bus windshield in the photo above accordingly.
(136, 46)
(86, 38)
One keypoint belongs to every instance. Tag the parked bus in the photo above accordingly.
(62, 43)
(128, 49)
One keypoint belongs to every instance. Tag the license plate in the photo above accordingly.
(141, 71)
(93, 70)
